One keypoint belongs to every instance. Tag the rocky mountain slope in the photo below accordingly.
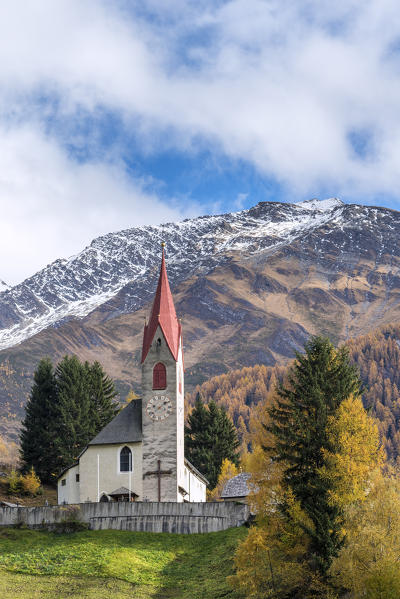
(250, 287)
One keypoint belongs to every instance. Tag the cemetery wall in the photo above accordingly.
(183, 518)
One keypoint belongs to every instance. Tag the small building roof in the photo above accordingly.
(125, 427)
(122, 491)
(237, 486)
(163, 314)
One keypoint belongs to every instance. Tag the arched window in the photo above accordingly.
(159, 376)
(125, 460)
(104, 498)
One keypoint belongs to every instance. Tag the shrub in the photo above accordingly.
(14, 483)
(30, 482)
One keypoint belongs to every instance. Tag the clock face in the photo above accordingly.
(159, 407)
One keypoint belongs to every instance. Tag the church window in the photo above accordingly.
(125, 460)
(63, 482)
(159, 342)
(159, 376)
(104, 498)
(77, 478)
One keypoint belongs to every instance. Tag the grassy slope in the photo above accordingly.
(118, 564)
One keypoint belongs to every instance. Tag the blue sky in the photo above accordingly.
(116, 113)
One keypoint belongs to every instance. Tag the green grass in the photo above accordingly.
(116, 564)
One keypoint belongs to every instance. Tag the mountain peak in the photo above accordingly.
(321, 205)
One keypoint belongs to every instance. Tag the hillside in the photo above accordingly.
(100, 564)
(250, 287)
(377, 355)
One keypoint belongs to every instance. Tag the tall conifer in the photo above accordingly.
(319, 381)
(65, 411)
(102, 394)
(38, 435)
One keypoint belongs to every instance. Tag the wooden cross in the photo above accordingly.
(159, 473)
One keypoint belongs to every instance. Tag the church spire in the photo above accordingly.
(162, 314)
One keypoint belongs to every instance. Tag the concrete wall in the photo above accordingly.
(184, 518)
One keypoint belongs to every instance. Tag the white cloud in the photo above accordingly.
(280, 84)
(52, 207)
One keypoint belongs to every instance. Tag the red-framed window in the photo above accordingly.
(159, 376)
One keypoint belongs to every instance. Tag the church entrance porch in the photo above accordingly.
(123, 494)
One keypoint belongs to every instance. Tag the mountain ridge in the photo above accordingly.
(249, 288)
(74, 287)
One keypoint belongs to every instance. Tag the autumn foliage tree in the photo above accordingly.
(377, 358)
(321, 454)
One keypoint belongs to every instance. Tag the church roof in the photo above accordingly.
(126, 427)
(163, 314)
(237, 486)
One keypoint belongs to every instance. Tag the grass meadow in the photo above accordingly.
(117, 564)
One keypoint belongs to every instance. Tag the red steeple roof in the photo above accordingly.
(162, 314)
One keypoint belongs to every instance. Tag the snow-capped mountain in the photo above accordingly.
(125, 263)
(74, 287)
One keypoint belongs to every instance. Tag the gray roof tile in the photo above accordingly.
(126, 427)
(237, 486)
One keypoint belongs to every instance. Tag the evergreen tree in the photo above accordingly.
(102, 394)
(66, 409)
(38, 435)
(319, 381)
(210, 437)
(197, 437)
(72, 421)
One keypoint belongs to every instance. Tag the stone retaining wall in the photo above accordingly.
(184, 518)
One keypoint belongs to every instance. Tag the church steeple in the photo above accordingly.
(162, 314)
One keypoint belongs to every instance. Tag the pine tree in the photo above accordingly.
(66, 409)
(102, 394)
(197, 438)
(319, 381)
(210, 437)
(38, 434)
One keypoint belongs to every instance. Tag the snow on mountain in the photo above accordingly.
(321, 205)
(3, 286)
(126, 262)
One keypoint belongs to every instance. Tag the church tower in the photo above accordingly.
(162, 398)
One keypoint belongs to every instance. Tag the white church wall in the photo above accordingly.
(68, 486)
(110, 477)
(194, 487)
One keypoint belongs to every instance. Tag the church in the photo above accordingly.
(140, 455)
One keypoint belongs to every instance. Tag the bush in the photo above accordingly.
(31, 483)
(14, 483)
(68, 526)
